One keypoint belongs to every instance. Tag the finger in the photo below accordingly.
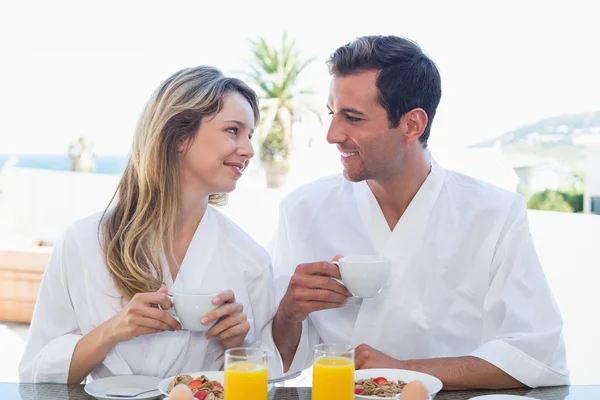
(162, 290)
(336, 270)
(338, 257)
(361, 355)
(160, 315)
(224, 297)
(312, 306)
(308, 307)
(361, 348)
(237, 330)
(152, 323)
(319, 295)
(149, 299)
(358, 363)
(225, 324)
(319, 268)
(319, 282)
(222, 311)
(142, 330)
(359, 359)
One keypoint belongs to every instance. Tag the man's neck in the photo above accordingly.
(395, 193)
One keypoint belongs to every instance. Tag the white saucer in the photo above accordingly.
(125, 384)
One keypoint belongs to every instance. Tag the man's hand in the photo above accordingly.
(312, 289)
(456, 373)
(367, 357)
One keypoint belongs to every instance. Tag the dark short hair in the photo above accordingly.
(407, 79)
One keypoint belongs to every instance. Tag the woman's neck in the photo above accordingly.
(192, 207)
(191, 210)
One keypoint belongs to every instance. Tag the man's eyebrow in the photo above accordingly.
(348, 110)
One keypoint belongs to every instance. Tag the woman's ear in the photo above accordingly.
(181, 145)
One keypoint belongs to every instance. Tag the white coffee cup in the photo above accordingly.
(364, 276)
(190, 308)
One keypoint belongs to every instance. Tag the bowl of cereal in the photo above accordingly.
(384, 383)
(209, 382)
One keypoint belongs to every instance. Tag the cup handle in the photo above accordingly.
(170, 298)
(171, 311)
(336, 279)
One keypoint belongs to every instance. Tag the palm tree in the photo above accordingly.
(83, 158)
(274, 75)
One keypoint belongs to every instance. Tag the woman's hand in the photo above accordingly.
(232, 326)
(140, 316)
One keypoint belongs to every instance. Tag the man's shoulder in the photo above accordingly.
(481, 192)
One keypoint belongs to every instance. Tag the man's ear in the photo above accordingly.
(416, 122)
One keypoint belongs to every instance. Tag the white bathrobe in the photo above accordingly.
(77, 294)
(465, 276)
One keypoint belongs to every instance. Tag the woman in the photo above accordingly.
(97, 312)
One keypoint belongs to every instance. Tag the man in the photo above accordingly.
(467, 300)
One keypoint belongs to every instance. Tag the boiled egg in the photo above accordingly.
(181, 392)
(414, 390)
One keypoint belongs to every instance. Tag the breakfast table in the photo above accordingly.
(46, 391)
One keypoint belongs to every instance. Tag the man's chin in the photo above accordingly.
(354, 176)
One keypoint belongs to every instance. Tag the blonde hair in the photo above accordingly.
(141, 225)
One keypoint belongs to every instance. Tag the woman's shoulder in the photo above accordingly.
(239, 241)
(84, 233)
(78, 254)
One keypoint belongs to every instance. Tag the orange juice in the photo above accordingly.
(246, 381)
(333, 379)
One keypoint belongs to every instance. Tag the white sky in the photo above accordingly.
(83, 68)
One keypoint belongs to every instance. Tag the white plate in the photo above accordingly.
(432, 383)
(501, 397)
(218, 376)
(124, 384)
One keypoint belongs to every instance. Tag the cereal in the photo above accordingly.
(379, 387)
(213, 390)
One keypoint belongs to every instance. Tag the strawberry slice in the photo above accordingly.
(195, 384)
(216, 385)
(358, 390)
(380, 381)
(200, 395)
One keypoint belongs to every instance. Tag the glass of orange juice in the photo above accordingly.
(333, 372)
(245, 374)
